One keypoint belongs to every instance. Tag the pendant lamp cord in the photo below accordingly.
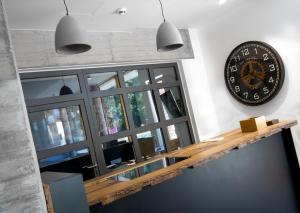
(162, 10)
(66, 7)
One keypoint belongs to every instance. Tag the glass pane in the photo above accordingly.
(63, 157)
(118, 153)
(151, 143)
(142, 108)
(110, 115)
(178, 134)
(77, 161)
(136, 78)
(125, 176)
(103, 81)
(151, 167)
(172, 102)
(50, 87)
(57, 127)
(148, 168)
(165, 75)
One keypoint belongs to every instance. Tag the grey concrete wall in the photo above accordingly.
(20, 183)
(35, 49)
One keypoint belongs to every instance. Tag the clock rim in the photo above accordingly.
(280, 64)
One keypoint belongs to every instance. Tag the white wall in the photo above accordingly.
(276, 22)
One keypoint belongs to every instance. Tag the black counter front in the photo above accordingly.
(261, 177)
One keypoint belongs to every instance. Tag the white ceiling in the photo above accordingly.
(98, 15)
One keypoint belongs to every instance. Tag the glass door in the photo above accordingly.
(62, 138)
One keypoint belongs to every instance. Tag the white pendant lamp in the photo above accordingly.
(168, 37)
(70, 37)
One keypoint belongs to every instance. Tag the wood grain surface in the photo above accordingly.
(48, 197)
(103, 190)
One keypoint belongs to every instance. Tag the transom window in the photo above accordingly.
(97, 120)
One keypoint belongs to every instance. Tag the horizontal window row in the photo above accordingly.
(120, 152)
(62, 126)
(37, 88)
(110, 113)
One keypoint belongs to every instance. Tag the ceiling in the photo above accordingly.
(99, 15)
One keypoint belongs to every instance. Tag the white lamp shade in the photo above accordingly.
(70, 37)
(168, 37)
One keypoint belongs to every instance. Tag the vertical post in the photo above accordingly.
(20, 182)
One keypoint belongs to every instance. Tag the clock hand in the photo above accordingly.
(251, 70)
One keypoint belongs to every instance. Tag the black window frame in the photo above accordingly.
(85, 100)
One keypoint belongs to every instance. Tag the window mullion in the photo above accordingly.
(129, 117)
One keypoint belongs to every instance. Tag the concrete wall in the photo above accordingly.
(20, 183)
(274, 22)
(35, 49)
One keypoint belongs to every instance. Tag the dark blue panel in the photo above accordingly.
(257, 178)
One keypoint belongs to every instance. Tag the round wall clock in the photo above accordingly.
(254, 73)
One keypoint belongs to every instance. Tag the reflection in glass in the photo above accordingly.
(77, 161)
(103, 81)
(150, 143)
(57, 127)
(49, 87)
(172, 102)
(142, 108)
(63, 157)
(125, 176)
(110, 115)
(165, 75)
(146, 169)
(136, 78)
(118, 153)
(156, 165)
(179, 135)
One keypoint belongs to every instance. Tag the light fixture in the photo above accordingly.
(70, 38)
(168, 37)
(65, 90)
(121, 11)
(221, 2)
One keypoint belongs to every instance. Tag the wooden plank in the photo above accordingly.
(100, 190)
(96, 185)
(120, 171)
(48, 198)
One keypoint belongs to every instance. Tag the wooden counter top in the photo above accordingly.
(104, 190)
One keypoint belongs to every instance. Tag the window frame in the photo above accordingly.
(85, 100)
(87, 143)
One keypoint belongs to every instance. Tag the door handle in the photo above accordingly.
(90, 166)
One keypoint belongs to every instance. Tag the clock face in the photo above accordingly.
(254, 73)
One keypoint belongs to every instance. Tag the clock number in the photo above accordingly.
(272, 67)
(265, 56)
(271, 80)
(256, 96)
(246, 94)
(245, 52)
(237, 89)
(232, 79)
(237, 58)
(255, 51)
(266, 90)
(233, 68)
